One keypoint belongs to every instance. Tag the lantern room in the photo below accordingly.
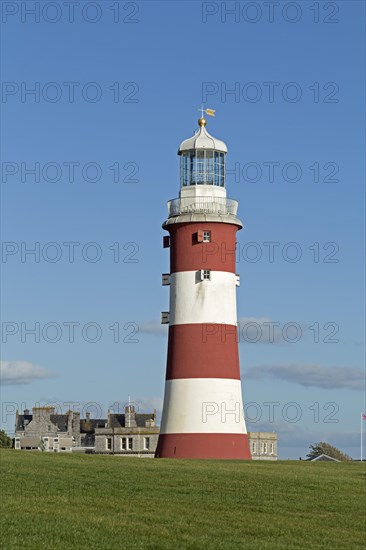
(202, 159)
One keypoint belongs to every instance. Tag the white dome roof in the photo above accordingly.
(202, 140)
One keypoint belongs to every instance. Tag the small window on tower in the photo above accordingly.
(165, 317)
(198, 237)
(207, 236)
(206, 274)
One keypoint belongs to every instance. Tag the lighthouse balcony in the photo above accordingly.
(202, 205)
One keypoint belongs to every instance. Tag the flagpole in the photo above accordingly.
(361, 418)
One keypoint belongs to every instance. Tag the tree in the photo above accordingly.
(5, 440)
(324, 448)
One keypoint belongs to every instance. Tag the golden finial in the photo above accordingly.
(202, 121)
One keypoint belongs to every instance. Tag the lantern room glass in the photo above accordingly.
(202, 167)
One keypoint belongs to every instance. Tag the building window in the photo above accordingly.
(265, 448)
(207, 236)
(129, 443)
(123, 443)
(206, 274)
(254, 448)
(109, 443)
(271, 448)
(146, 443)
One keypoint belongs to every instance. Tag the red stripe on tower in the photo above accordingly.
(203, 350)
(203, 409)
(189, 252)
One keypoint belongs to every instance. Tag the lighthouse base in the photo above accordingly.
(204, 446)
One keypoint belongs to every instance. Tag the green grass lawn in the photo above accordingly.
(106, 502)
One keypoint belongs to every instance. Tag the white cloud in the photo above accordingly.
(312, 375)
(22, 372)
(150, 403)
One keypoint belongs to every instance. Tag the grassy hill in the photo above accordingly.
(110, 502)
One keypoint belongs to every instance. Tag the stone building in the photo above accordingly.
(47, 431)
(130, 433)
(263, 445)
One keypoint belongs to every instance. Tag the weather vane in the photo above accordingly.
(209, 112)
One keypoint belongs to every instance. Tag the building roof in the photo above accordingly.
(324, 458)
(20, 421)
(86, 425)
(202, 140)
(119, 420)
(59, 420)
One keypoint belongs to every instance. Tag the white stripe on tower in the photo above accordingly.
(203, 405)
(207, 301)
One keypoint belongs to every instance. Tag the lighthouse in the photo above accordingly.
(203, 409)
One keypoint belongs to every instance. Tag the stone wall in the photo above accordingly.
(107, 442)
(263, 445)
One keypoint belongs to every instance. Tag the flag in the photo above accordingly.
(210, 112)
(363, 416)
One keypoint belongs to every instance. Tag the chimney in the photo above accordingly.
(75, 422)
(42, 414)
(109, 423)
(130, 417)
(87, 416)
(69, 422)
(26, 412)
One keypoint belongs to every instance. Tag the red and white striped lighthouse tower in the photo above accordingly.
(203, 409)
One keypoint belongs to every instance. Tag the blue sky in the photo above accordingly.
(136, 90)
